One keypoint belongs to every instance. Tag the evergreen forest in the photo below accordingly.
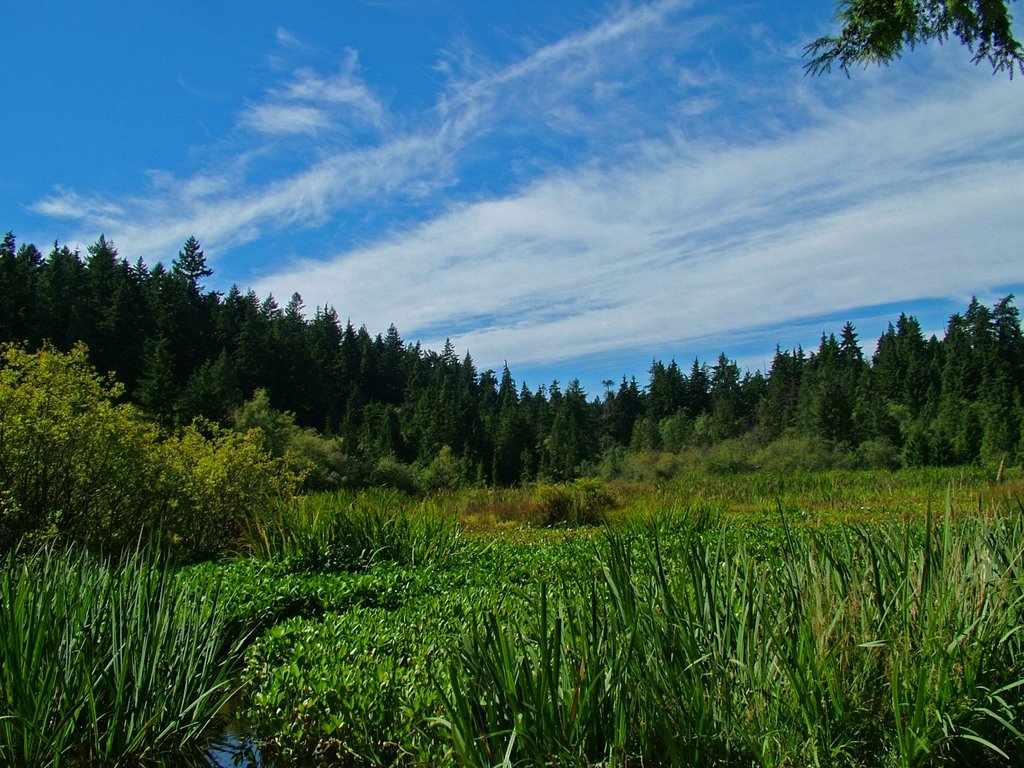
(356, 409)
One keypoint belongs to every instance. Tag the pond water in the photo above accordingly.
(234, 749)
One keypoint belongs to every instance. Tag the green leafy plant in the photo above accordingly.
(77, 466)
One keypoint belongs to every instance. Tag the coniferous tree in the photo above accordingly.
(627, 405)
(61, 293)
(828, 394)
(325, 391)
(184, 351)
(8, 289)
(778, 409)
(698, 390)
(157, 389)
(666, 393)
(573, 438)
(19, 276)
(727, 418)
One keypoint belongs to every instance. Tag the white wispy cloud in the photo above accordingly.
(288, 39)
(277, 119)
(409, 160)
(699, 203)
(310, 103)
(68, 204)
(881, 201)
(345, 88)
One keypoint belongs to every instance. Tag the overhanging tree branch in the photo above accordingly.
(877, 31)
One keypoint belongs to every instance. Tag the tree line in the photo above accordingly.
(364, 408)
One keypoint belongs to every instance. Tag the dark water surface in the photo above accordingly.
(234, 748)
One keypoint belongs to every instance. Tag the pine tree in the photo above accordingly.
(61, 291)
(573, 438)
(19, 277)
(777, 410)
(728, 414)
(190, 266)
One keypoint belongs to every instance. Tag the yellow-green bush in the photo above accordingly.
(319, 460)
(216, 480)
(78, 466)
(73, 463)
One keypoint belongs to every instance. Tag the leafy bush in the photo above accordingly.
(444, 472)
(73, 464)
(878, 453)
(218, 481)
(389, 472)
(318, 460)
(729, 456)
(798, 453)
(583, 502)
(76, 466)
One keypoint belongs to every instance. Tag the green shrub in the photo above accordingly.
(389, 472)
(676, 431)
(76, 466)
(219, 480)
(318, 460)
(798, 453)
(582, 502)
(73, 464)
(444, 472)
(878, 453)
(728, 456)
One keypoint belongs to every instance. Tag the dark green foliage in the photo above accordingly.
(573, 437)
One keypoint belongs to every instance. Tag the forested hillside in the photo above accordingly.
(363, 406)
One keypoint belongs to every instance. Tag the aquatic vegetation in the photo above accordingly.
(107, 664)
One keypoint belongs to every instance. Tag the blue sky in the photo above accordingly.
(573, 187)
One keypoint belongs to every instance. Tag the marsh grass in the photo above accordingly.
(106, 664)
(341, 532)
(898, 645)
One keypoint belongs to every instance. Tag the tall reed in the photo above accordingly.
(340, 532)
(106, 664)
(880, 646)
